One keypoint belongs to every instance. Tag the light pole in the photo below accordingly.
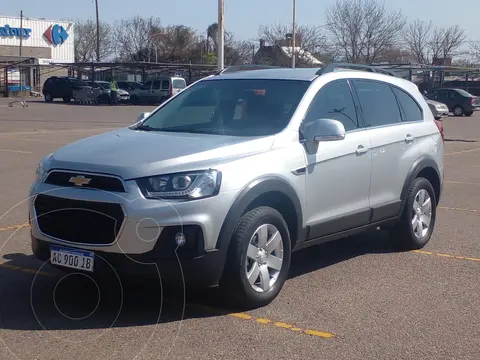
(221, 35)
(293, 33)
(98, 31)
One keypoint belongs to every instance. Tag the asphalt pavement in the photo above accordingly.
(351, 299)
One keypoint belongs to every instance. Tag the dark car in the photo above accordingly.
(61, 87)
(459, 101)
(129, 85)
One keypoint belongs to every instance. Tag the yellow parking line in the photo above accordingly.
(14, 227)
(446, 255)
(16, 151)
(462, 183)
(242, 315)
(462, 152)
(459, 209)
(468, 165)
(26, 270)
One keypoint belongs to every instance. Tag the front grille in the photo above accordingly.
(84, 222)
(99, 182)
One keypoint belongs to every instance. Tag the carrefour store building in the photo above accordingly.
(39, 42)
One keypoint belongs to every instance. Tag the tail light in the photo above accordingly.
(440, 128)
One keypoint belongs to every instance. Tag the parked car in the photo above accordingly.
(105, 89)
(61, 87)
(158, 90)
(239, 170)
(439, 110)
(459, 101)
(129, 85)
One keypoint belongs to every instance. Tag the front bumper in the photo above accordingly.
(146, 235)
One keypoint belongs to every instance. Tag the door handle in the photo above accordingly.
(361, 150)
(409, 138)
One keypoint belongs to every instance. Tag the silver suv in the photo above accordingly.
(221, 183)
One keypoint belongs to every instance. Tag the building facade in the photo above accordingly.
(39, 42)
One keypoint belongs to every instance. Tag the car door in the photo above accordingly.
(338, 174)
(166, 89)
(393, 146)
(156, 92)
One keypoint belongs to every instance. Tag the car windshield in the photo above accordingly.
(104, 85)
(135, 85)
(235, 107)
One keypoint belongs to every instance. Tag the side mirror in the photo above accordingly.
(142, 116)
(322, 130)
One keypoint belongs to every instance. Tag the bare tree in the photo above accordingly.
(312, 38)
(364, 29)
(85, 44)
(134, 36)
(417, 37)
(177, 43)
(445, 41)
(475, 50)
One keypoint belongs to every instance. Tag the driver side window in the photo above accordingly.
(334, 101)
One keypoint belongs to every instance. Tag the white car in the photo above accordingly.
(105, 89)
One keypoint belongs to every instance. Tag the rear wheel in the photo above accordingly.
(258, 260)
(67, 99)
(48, 98)
(415, 227)
(458, 110)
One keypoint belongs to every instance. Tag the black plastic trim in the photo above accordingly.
(340, 224)
(421, 163)
(387, 211)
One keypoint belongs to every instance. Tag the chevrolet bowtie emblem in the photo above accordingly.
(80, 180)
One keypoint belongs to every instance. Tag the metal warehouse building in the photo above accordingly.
(32, 44)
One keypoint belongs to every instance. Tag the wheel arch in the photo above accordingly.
(271, 191)
(424, 167)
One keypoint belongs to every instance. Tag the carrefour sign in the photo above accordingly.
(8, 31)
(56, 34)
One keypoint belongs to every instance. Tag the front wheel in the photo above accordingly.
(258, 260)
(470, 113)
(134, 99)
(415, 227)
(48, 98)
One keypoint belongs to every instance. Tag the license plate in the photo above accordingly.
(72, 258)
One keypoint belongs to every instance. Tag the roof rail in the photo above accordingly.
(238, 68)
(359, 67)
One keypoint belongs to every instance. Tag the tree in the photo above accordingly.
(363, 29)
(417, 37)
(177, 43)
(475, 50)
(445, 41)
(85, 45)
(136, 36)
(312, 38)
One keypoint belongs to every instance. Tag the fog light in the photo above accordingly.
(180, 239)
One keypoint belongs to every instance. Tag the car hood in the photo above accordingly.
(133, 153)
(435, 103)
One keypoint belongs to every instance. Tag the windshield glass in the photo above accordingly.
(104, 85)
(252, 107)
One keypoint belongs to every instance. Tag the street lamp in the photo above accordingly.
(221, 35)
(98, 31)
(293, 33)
(155, 45)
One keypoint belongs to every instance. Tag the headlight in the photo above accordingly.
(191, 185)
(41, 169)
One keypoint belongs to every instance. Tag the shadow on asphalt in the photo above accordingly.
(74, 301)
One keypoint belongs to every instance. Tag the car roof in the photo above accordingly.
(305, 74)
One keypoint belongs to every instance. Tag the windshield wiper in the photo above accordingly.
(145, 128)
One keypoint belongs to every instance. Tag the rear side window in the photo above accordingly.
(411, 111)
(378, 103)
(178, 84)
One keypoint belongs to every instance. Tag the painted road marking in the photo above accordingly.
(14, 227)
(242, 316)
(16, 151)
(469, 165)
(446, 255)
(462, 152)
(462, 183)
(459, 209)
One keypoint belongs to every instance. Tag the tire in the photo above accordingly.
(135, 100)
(235, 282)
(67, 99)
(469, 113)
(48, 98)
(403, 235)
(458, 110)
